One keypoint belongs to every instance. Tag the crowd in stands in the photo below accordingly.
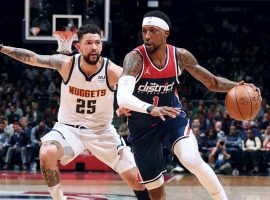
(233, 44)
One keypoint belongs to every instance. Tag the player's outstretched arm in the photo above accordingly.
(31, 58)
(212, 82)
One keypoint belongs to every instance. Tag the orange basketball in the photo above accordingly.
(243, 102)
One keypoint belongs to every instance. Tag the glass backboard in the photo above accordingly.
(44, 17)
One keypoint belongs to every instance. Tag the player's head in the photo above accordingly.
(90, 44)
(155, 29)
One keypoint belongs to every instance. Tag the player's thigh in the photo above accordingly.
(110, 148)
(67, 140)
(126, 162)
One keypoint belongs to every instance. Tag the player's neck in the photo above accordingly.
(159, 57)
(91, 69)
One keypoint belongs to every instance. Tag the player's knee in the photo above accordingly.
(190, 161)
(190, 157)
(130, 176)
(48, 153)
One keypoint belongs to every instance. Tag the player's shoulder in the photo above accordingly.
(134, 55)
(111, 64)
(184, 54)
(112, 67)
(182, 51)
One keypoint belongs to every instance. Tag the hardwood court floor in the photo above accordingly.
(108, 186)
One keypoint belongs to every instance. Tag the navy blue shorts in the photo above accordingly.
(148, 150)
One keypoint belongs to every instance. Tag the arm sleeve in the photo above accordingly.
(125, 97)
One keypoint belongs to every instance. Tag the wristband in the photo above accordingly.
(1, 46)
(149, 109)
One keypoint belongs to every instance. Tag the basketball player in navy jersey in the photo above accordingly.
(85, 113)
(147, 87)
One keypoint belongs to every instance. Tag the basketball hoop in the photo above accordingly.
(64, 40)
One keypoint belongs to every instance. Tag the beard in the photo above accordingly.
(152, 49)
(91, 62)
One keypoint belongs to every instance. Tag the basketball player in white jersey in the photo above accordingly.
(85, 113)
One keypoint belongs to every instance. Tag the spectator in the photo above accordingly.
(266, 140)
(25, 126)
(251, 152)
(4, 139)
(33, 114)
(245, 126)
(15, 106)
(234, 147)
(233, 140)
(201, 140)
(211, 141)
(218, 128)
(11, 114)
(18, 143)
(8, 128)
(197, 124)
(211, 138)
(36, 133)
(219, 157)
(265, 120)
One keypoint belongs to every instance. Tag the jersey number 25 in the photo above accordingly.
(86, 106)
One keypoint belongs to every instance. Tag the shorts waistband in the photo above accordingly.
(76, 126)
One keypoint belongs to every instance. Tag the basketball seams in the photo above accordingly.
(228, 99)
(235, 96)
(250, 102)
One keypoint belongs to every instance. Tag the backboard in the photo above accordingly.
(44, 17)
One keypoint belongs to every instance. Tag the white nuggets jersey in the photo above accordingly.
(86, 101)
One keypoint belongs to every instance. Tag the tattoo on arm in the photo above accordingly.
(54, 61)
(22, 55)
(31, 58)
(132, 64)
(52, 177)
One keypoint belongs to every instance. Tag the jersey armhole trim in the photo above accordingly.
(107, 77)
(70, 72)
(178, 71)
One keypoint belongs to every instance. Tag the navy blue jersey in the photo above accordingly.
(155, 86)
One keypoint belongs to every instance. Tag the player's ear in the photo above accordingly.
(101, 45)
(167, 33)
(77, 46)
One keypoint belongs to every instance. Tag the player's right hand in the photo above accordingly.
(251, 85)
(165, 111)
(123, 111)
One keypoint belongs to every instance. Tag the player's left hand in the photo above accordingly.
(123, 111)
(251, 85)
(165, 111)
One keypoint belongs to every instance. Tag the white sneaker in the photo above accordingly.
(178, 169)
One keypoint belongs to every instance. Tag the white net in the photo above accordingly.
(64, 40)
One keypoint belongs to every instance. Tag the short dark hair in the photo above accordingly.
(88, 28)
(159, 14)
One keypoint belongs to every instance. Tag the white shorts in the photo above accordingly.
(106, 145)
